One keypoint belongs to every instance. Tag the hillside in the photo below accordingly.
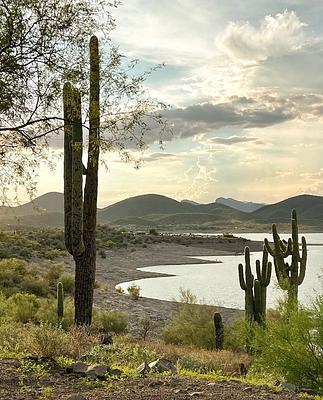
(158, 210)
(309, 210)
(52, 202)
(244, 206)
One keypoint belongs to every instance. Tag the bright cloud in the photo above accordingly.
(276, 36)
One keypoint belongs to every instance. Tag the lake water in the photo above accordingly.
(218, 283)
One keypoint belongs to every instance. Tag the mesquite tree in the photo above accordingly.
(80, 214)
(42, 44)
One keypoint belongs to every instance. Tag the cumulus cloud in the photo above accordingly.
(276, 36)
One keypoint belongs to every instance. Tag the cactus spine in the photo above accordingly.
(80, 215)
(255, 289)
(60, 303)
(289, 275)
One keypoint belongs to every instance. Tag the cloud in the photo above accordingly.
(160, 156)
(239, 112)
(233, 140)
(276, 36)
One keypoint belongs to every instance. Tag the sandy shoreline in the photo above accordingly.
(120, 265)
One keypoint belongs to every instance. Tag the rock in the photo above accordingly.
(115, 372)
(79, 368)
(76, 397)
(211, 384)
(290, 387)
(97, 371)
(143, 369)
(310, 392)
(162, 365)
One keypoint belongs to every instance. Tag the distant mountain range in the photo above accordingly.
(245, 206)
(157, 210)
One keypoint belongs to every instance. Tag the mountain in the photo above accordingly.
(158, 210)
(309, 210)
(52, 202)
(194, 203)
(245, 206)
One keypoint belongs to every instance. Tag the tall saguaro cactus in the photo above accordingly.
(289, 275)
(255, 289)
(80, 214)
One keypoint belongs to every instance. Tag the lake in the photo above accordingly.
(218, 283)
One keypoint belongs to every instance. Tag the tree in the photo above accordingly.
(42, 43)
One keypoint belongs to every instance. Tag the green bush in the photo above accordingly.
(22, 307)
(191, 324)
(68, 283)
(47, 313)
(291, 347)
(113, 322)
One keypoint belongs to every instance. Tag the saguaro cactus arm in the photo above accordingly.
(302, 260)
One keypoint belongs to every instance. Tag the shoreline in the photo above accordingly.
(120, 265)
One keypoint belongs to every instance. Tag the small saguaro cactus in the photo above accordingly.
(255, 289)
(246, 284)
(263, 270)
(219, 331)
(289, 275)
(60, 302)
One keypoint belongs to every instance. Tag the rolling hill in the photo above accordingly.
(154, 209)
(52, 202)
(309, 210)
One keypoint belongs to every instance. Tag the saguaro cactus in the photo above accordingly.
(255, 289)
(246, 284)
(261, 283)
(289, 275)
(80, 215)
(60, 302)
(219, 331)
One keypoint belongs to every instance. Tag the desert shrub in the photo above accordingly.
(153, 231)
(68, 282)
(53, 274)
(47, 313)
(113, 322)
(120, 290)
(22, 307)
(51, 254)
(134, 291)
(45, 340)
(291, 347)
(123, 352)
(34, 286)
(235, 335)
(191, 324)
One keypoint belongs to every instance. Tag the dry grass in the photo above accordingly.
(45, 340)
(199, 360)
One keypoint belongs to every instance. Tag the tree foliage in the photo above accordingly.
(43, 43)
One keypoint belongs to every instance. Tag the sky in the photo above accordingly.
(244, 83)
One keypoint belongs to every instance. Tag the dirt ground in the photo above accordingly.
(16, 385)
